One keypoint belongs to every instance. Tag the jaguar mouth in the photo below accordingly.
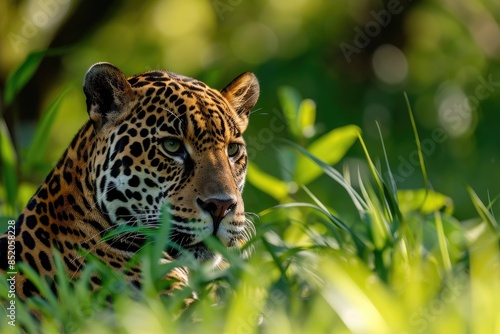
(196, 244)
(201, 252)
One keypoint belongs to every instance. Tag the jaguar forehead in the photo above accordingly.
(194, 116)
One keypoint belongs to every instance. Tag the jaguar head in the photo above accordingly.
(165, 140)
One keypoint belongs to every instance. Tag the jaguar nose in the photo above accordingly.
(217, 208)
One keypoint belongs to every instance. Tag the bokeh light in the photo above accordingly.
(454, 111)
(390, 64)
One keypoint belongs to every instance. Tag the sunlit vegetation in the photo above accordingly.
(373, 152)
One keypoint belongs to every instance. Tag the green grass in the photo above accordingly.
(387, 271)
(311, 272)
(403, 264)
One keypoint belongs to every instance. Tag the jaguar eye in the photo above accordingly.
(173, 146)
(233, 150)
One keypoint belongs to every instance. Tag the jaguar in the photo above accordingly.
(155, 141)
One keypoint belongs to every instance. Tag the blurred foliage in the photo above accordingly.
(15, 193)
(300, 116)
(373, 249)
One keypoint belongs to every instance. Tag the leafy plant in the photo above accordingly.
(16, 166)
(331, 147)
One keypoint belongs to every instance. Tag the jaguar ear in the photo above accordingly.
(107, 91)
(242, 94)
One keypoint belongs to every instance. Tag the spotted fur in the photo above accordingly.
(153, 140)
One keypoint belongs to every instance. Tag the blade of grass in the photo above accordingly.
(8, 161)
(380, 231)
(392, 182)
(390, 187)
(443, 247)
(123, 229)
(26, 319)
(161, 238)
(483, 211)
(405, 233)
(387, 206)
(337, 222)
(62, 280)
(18, 78)
(321, 206)
(375, 174)
(419, 148)
(360, 244)
(491, 202)
(349, 299)
(269, 247)
(40, 141)
(332, 173)
(42, 286)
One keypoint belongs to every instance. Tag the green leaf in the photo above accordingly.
(306, 117)
(41, 139)
(21, 75)
(421, 200)
(8, 161)
(330, 148)
(483, 211)
(290, 101)
(267, 183)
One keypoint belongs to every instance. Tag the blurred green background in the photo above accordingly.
(353, 58)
